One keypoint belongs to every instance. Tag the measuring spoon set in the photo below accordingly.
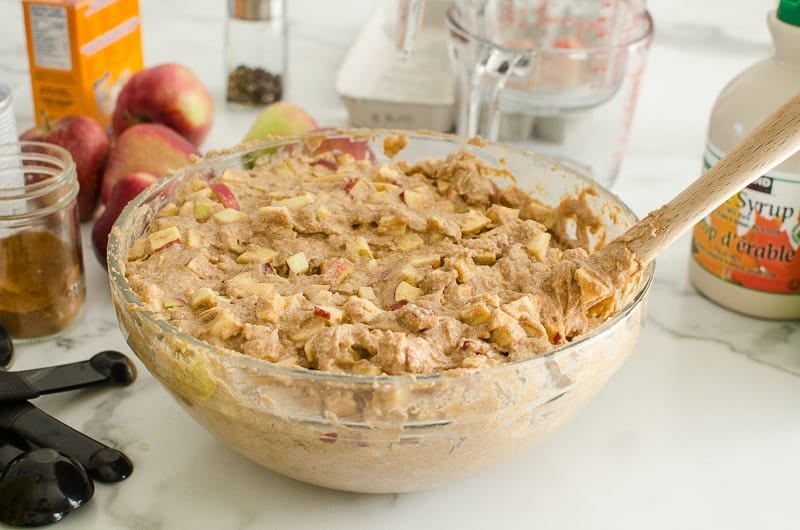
(47, 468)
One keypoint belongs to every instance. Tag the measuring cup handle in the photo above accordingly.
(482, 86)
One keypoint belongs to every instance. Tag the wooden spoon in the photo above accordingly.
(770, 143)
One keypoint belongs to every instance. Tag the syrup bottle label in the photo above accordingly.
(753, 239)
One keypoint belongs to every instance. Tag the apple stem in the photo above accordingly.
(46, 119)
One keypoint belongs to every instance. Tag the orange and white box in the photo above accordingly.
(81, 53)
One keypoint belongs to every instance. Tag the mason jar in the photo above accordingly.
(42, 284)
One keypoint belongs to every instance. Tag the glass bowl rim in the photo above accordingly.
(120, 283)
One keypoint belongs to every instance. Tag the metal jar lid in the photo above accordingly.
(256, 9)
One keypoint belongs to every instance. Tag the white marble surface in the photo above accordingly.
(700, 429)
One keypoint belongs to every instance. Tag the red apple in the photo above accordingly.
(88, 143)
(170, 94)
(128, 187)
(148, 147)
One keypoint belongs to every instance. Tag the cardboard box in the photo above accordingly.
(81, 53)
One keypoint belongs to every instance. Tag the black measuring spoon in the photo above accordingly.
(104, 463)
(39, 486)
(104, 367)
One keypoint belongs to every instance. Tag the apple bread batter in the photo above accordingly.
(342, 265)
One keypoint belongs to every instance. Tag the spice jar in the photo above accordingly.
(42, 287)
(255, 51)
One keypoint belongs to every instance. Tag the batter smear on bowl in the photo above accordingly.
(330, 263)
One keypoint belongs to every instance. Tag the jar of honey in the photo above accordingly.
(42, 286)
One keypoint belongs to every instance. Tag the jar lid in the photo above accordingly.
(256, 9)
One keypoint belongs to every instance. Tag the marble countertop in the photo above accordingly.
(699, 429)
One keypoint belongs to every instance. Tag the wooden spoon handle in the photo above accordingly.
(770, 143)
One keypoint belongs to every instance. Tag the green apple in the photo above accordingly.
(281, 119)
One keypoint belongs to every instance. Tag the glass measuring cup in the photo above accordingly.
(557, 77)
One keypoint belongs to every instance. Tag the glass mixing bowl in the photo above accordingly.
(377, 433)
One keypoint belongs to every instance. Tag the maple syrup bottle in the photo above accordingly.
(746, 253)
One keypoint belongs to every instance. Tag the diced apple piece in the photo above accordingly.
(388, 187)
(425, 260)
(411, 275)
(164, 238)
(484, 258)
(202, 210)
(243, 285)
(284, 170)
(345, 159)
(234, 175)
(380, 197)
(502, 214)
(367, 292)
(224, 326)
(506, 331)
(360, 309)
(443, 186)
(186, 209)
(225, 194)
(357, 186)
(330, 313)
(335, 271)
(593, 287)
(307, 330)
(228, 216)
(322, 214)
(348, 186)
(387, 173)
(473, 222)
(463, 290)
(409, 242)
(168, 210)
(138, 249)
(203, 192)
(172, 302)
(538, 245)
(198, 265)
(406, 291)
(203, 297)
(324, 166)
(196, 185)
(319, 294)
(416, 200)
(358, 247)
(364, 367)
(391, 225)
(538, 212)
(447, 227)
(475, 314)
(298, 263)
(465, 268)
(522, 307)
(297, 202)
(276, 215)
(194, 239)
(270, 307)
(492, 299)
(257, 255)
